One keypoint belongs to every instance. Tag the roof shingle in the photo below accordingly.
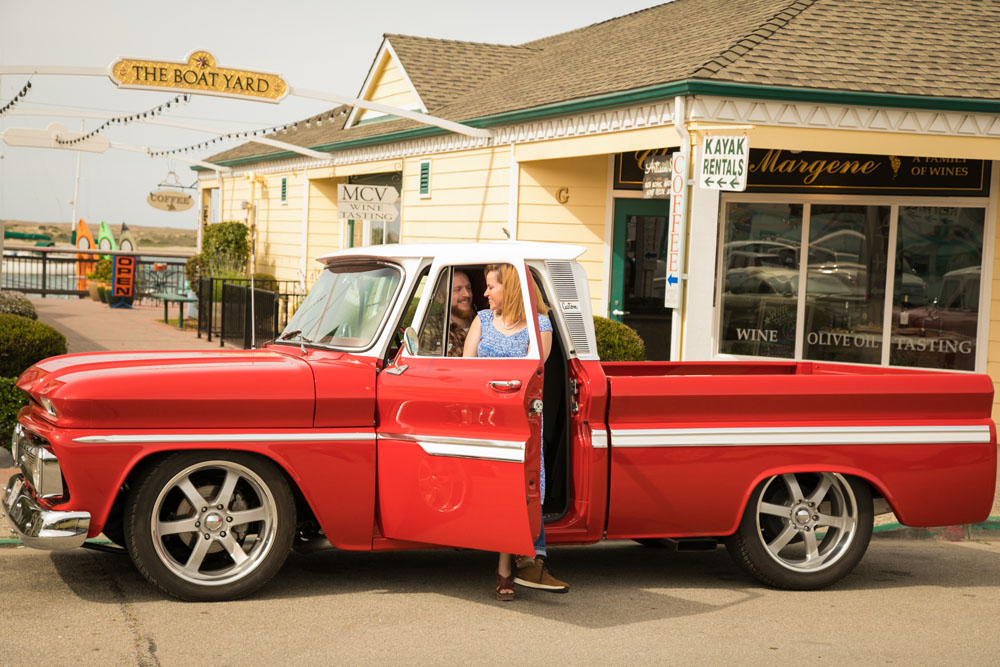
(934, 48)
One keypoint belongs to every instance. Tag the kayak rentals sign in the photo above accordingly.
(199, 74)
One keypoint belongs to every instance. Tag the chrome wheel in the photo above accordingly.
(213, 522)
(804, 530)
(210, 527)
(807, 522)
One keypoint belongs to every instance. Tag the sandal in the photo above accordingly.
(505, 584)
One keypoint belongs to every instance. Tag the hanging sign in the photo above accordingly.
(170, 200)
(199, 74)
(724, 164)
(367, 202)
(656, 179)
(676, 225)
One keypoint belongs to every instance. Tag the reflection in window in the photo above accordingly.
(760, 289)
(346, 306)
(936, 297)
(845, 283)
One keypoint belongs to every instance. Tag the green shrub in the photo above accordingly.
(102, 270)
(24, 342)
(617, 341)
(12, 400)
(265, 281)
(194, 271)
(225, 247)
(16, 303)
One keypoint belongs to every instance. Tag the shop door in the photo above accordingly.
(638, 272)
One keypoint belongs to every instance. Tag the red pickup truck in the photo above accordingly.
(355, 428)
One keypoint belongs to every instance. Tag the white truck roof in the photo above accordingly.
(464, 253)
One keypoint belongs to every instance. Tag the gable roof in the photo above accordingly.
(924, 48)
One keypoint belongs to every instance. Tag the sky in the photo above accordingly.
(326, 45)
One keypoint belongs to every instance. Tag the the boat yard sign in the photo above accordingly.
(724, 163)
(199, 74)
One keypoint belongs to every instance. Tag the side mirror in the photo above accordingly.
(410, 341)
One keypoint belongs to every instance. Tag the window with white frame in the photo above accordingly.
(833, 280)
(383, 227)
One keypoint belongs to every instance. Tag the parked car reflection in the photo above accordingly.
(941, 334)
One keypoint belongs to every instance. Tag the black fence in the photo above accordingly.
(224, 309)
(60, 272)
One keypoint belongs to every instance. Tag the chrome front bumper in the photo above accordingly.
(37, 527)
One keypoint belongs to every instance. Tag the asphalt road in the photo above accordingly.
(910, 602)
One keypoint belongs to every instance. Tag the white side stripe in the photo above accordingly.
(799, 435)
(464, 448)
(227, 437)
(599, 438)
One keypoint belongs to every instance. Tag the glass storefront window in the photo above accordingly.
(845, 283)
(933, 272)
(761, 270)
(935, 303)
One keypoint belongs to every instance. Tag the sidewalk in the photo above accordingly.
(90, 326)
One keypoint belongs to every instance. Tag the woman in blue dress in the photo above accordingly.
(502, 331)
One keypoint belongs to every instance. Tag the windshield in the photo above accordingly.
(345, 307)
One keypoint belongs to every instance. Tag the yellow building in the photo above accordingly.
(865, 233)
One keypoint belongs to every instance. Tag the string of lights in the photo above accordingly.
(17, 98)
(325, 116)
(123, 120)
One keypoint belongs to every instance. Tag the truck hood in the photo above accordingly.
(176, 390)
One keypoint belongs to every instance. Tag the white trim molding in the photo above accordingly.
(816, 115)
(800, 435)
(464, 448)
(225, 437)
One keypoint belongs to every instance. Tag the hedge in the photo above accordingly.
(12, 400)
(16, 303)
(24, 342)
(617, 341)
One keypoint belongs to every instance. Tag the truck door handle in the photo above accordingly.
(504, 385)
(619, 313)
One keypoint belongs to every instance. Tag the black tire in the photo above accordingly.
(223, 543)
(786, 542)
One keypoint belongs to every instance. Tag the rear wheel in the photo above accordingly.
(804, 531)
(210, 526)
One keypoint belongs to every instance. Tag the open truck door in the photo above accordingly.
(459, 438)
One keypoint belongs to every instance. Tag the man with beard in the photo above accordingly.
(462, 312)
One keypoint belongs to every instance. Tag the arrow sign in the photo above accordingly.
(724, 162)
(672, 279)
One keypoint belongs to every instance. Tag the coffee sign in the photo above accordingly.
(200, 74)
(170, 200)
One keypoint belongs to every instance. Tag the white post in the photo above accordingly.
(305, 233)
(76, 189)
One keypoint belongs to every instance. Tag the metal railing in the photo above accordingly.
(224, 309)
(49, 271)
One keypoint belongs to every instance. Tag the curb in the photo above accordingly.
(13, 542)
(984, 529)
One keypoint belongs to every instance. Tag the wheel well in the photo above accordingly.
(873, 486)
(113, 521)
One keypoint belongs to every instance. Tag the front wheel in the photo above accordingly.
(804, 531)
(210, 526)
